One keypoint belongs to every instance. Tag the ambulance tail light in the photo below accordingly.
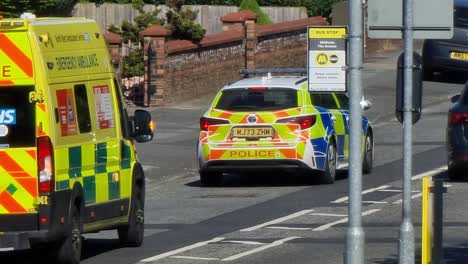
(205, 122)
(45, 164)
(304, 121)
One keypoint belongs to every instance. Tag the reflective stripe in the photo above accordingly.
(16, 55)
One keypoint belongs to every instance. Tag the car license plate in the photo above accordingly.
(459, 55)
(252, 132)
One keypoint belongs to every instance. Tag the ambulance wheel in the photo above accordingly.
(329, 173)
(132, 234)
(210, 178)
(368, 155)
(69, 252)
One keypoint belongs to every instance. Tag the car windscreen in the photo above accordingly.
(461, 17)
(257, 99)
(17, 117)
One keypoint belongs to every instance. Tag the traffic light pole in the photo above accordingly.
(355, 234)
(406, 249)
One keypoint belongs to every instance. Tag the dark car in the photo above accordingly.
(448, 55)
(457, 134)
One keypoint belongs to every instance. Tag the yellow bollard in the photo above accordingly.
(427, 220)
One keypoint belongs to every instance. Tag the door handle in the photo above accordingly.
(333, 118)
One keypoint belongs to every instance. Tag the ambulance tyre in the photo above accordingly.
(211, 178)
(368, 155)
(328, 176)
(131, 235)
(69, 252)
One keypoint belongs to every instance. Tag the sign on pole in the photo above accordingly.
(433, 19)
(326, 60)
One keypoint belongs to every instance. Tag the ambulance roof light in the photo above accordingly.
(28, 15)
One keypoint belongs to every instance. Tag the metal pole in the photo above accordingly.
(437, 248)
(407, 229)
(355, 233)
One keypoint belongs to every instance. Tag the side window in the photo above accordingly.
(324, 100)
(124, 119)
(344, 100)
(82, 108)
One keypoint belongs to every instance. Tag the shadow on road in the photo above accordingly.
(269, 179)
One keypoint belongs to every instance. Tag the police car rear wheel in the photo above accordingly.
(368, 157)
(211, 178)
(132, 234)
(329, 174)
(70, 250)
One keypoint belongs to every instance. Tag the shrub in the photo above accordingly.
(262, 18)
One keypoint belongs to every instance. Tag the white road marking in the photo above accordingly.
(325, 214)
(390, 190)
(243, 242)
(276, 221)
(429, 173)
(344, 199)
(412, 197)
(177, 251)
(288, 228)
(344, 220)
(255, 250)
(375, 202)
(194, 258)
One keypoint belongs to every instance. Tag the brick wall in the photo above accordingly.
(183, 70)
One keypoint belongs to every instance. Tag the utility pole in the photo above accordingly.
(355, 234)
(406, 249)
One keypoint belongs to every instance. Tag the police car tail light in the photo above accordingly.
(304, 121)
(457, 118)
(205, 122)
(45, 164)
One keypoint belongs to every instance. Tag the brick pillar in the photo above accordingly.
(114, 43)
(233, 22)
(250, 38)
(155, 38)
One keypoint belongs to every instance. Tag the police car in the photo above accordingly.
(275, 123)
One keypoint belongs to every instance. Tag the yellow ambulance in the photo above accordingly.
(68, 162)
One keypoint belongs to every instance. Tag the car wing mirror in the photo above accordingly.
(142, 126)
(365, 104)
(455, 98)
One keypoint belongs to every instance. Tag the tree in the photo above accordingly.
(14, 8)
(181, 22)
(131, 31)
(262, 17)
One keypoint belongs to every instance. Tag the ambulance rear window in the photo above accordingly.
(17, 117)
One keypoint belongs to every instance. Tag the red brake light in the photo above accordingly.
(456, 118)
(257, 88)
(304, 121)
(205, 122)
(45, 164)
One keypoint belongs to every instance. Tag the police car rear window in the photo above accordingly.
(17, 122)
(258, 99)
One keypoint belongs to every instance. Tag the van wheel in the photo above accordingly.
(368, 155)
(328, 176)
(69, 252)
(211, 178)
(132, 234)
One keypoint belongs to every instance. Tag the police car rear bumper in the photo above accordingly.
(20, 240)
(254, 165)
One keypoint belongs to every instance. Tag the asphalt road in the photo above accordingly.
(268, 218)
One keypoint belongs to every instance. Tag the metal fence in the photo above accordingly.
(208, 16)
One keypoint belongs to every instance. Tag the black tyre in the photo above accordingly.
(453, 173)
(69, 252)
(368, 155)
(328, 176)
(211, 178)
(132, 235)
